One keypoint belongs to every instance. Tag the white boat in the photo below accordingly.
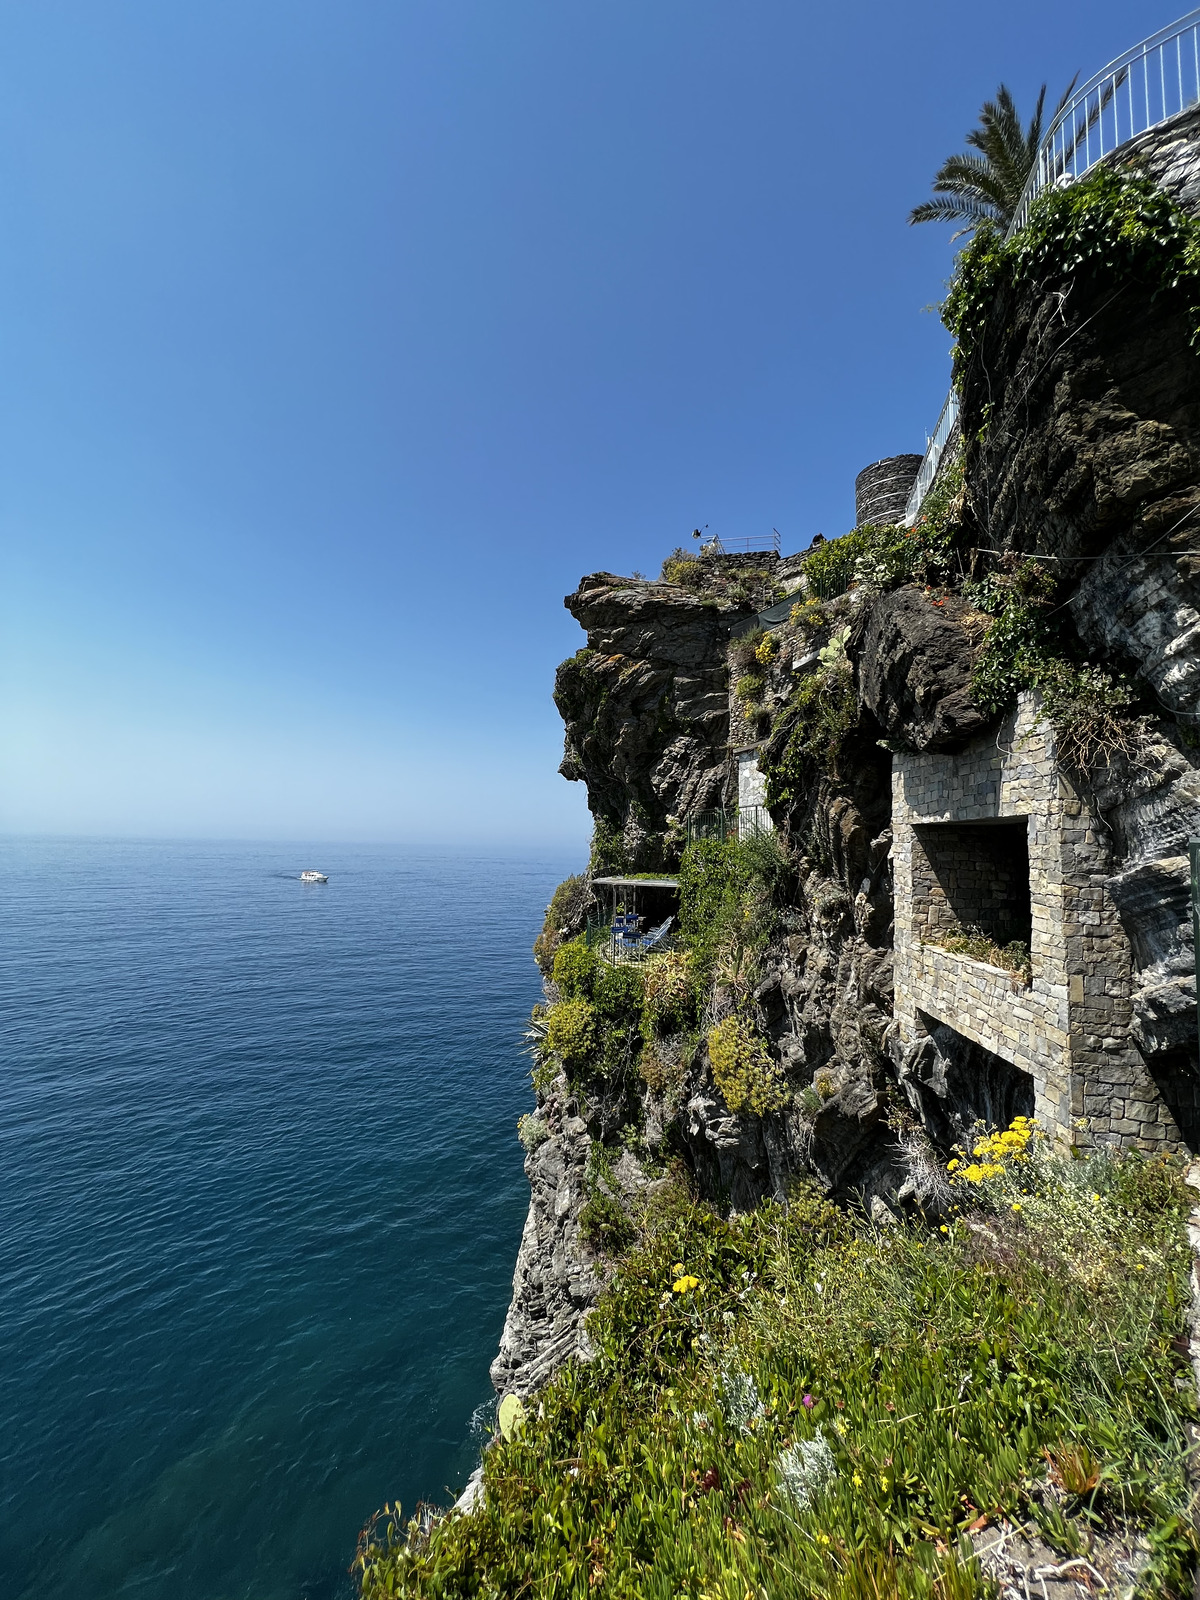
(313, 877)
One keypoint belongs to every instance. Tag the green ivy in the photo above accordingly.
(1089, 708)
(1117, 225)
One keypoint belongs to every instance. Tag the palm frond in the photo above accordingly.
(947, 209)
(971, 175)
(994, 179)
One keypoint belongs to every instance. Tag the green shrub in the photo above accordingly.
(810, 735)
(571, 1032)
(603, 1222)
(1089, 708)
(670, 992)
(683, 568)
(751, 686)
(532, 1131)
(1091, 712)
(1019, 640)
(576, 968)
(808, 614)
(567, 904)
(608, 849)
(712, 883)
(743, 653)
(618, 994)
(829, 569)
(742, 1068)
(727, 903)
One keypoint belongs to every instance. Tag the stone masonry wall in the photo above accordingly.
(971, 875)
(1070, 1029)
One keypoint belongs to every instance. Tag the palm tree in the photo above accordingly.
(988, 187)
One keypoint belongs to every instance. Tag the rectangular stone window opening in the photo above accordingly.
(972, 875)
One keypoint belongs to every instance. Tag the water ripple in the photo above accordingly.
(261, 1201)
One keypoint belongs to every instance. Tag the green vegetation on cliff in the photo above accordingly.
(1112, 225)
(795, 1403)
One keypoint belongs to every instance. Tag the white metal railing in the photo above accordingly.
(1139, 90)
(934, 447)
(748, 544)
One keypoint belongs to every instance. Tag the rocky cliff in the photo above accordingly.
(1058, 555)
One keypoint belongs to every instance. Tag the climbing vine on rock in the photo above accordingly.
(1119, 225)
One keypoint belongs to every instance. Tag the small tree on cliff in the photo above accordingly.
(987, 188)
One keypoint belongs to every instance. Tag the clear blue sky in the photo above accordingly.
(339, 340)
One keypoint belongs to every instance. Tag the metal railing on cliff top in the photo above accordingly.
(1138, 91)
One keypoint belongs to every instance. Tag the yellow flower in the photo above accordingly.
(884, 1482)
(943, 1228)
(682, 1285)
(857, 1480)
(677, 1269)
(822, 1538)
(1016, 1205)
(1141, 1267)
(1096, 1199)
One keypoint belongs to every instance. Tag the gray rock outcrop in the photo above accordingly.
(912, 655)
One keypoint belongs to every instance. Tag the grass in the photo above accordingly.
(1014, 957)
(797, 1403)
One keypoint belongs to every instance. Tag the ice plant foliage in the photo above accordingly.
(842, 1401)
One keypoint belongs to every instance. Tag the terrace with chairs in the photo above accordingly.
(639, 919)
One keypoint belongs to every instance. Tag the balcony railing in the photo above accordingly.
(1138, 91)
(935, 447)
(730, 822)
(749, 544)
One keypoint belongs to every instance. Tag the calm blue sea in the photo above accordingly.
(260, 1201)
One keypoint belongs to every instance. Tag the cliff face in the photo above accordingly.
(646, 710)
(1082, 412)
(1081, 421)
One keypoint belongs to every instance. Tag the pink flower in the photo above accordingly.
(808, 1402)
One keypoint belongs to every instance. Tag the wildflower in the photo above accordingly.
(822, 1538)
(682, 1285)
(677, 1269)
(1141, 1267)
(1016, 1205)
(1096, 1199)
(884, 1482)
(808, 1402)
(943, 1228)
(857, 1480)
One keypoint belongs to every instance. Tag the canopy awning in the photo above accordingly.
(638, 883)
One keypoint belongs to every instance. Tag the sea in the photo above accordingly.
(260, 1201)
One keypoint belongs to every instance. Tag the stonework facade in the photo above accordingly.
(968, 827)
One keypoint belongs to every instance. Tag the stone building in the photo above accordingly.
(994, 838)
